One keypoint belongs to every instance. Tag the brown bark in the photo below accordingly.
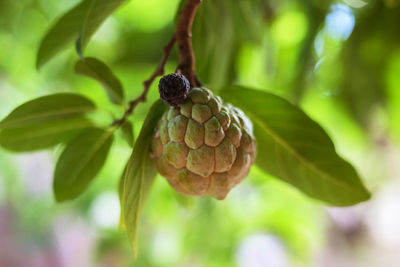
(183, 37)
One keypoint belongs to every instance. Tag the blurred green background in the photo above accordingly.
(338, 60)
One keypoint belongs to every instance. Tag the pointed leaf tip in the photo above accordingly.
(77, 25)
(140, 174)
(296, 149)
(99, 71)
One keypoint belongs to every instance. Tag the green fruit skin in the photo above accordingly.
(204, 147)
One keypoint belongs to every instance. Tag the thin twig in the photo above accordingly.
(186, 66)
(146, 84)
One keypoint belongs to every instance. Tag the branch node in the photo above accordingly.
(186, 67)
(147, 83)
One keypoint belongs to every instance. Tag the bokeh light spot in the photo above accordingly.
(105, 210)
(290, 28)
(339, 22)
(261, 250)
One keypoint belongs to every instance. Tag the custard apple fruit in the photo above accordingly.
(204, 146)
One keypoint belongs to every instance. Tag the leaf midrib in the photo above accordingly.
(84, 24)
(50, 130)
(42, 115)
(134, 215)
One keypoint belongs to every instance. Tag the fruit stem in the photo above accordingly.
(184, 41)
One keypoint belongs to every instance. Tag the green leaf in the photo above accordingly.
(47, 109)
(80, 23)
(62, 33)
(127, 132)
(121, 185)
(140, 173)
(220, 31)
(80, 162)
(98, 11)
(99, 71)
(44, 122)
(42, 135)
(296, 149)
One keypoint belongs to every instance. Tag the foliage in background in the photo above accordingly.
(265, 44)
